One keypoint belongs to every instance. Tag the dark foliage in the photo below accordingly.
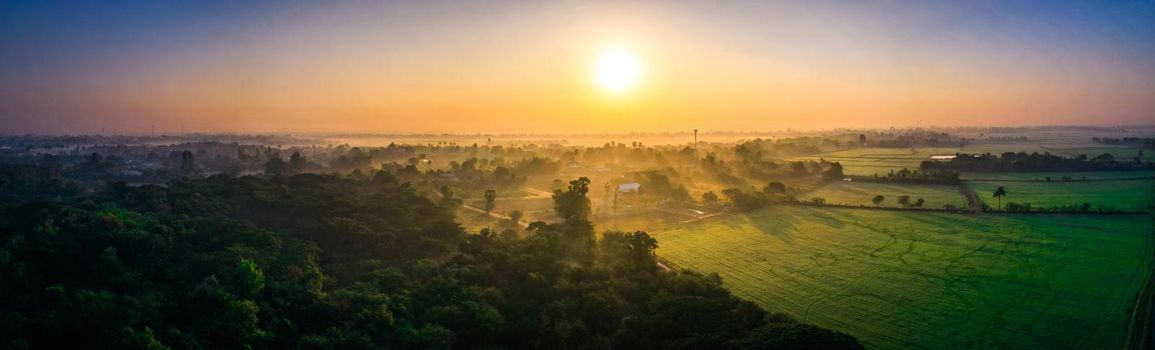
(331, 262)
(1014, 162)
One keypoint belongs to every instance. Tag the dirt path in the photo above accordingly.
(973, 202)
(704, 217)
(538, 193)
(521, 223)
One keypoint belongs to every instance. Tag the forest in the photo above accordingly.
(344, 262)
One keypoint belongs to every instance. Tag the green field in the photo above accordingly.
(871, 161)
(998, 148)
(1116, 194)
(860, 193)
(930, 280)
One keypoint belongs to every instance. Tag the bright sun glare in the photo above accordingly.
(617, 70)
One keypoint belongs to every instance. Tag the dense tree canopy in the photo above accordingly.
(333, 262)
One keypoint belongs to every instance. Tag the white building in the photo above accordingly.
(630, 187)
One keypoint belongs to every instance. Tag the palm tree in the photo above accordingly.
(1000, 192)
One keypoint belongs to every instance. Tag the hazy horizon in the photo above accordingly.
(521, 67)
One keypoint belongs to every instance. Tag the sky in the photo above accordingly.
(69, 67)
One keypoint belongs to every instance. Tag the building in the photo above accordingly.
(630, 187)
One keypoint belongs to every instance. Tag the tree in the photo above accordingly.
(490, 200)
(447, 199)
(862, 139)
(918, 203)
(247, 279)
(515, 216)
(904, 201)
(877, 200)
(572, 205)
(710, 199)
(188, 166)
(641, 250)
(818, 200)
(276, 166)
(1000, 192)
(774, 187)
(297, 163)
(834, 172)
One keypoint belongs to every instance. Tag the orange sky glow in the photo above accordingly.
(526, 67)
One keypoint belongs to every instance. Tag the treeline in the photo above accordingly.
(1015, 162)
(916, 138)
(773, 192)
(26, 181)
(904, 175)
(1014, 207)
(341, 262)
(1146, 142)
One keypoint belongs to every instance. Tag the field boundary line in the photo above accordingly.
(1141, 329)
(973, 202)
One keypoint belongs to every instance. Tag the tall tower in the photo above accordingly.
(695, 139)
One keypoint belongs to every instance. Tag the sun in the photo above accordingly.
(617, 69)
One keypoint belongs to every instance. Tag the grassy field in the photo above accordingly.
(1117, 194)
(651, 221)
(473, 221)
(930, 280)
(534, 208)
(860, 193)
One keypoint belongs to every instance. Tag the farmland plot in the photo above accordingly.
(1115, 194)
(930, 280)
(871, 161)
(860, 193)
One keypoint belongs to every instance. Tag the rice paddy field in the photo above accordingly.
(860, 193)
(1133, 193)
(900, 280)
(871, 161)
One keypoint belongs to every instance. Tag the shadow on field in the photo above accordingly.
(772, 222)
